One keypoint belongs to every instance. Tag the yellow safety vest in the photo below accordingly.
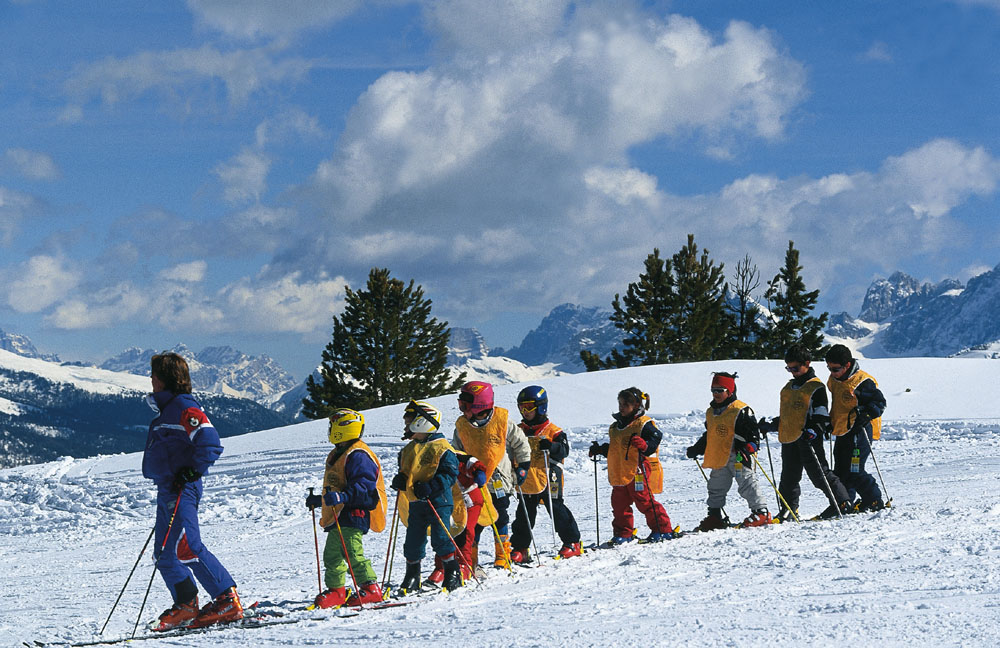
(721, 430)
(794, 410)
(623, 459)
(419, 461)
(487, 443)
(843, 401)
(335, 479)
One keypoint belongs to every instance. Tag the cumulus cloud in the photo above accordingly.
(243, 72)
(191, 272)
(264, 18)
(32, 165)
(244, 177)
(288, 304)
(40, 282)
(101, 309)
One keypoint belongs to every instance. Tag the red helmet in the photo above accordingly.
(475, 397)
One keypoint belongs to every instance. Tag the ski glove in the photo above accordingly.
(314, 501)
(692, 452)
(809, 434)
(521, 472)
(398, 482)
(334, 498)
(598, 449)
(743, 454)
(544, 444)
(638, 443)
(184, 476)
(766, 426)
(422, 490)
(480, 478)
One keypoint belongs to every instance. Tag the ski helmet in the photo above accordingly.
(345, 425)
(427, 418)
(533, 397)
(475, 397)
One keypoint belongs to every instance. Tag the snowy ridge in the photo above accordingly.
(91, 379)
(923, 573)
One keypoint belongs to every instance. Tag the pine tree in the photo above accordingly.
(675, 312)
(791, 306)
(386, 348)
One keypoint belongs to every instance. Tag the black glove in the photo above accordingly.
(598, 449)
(859, 424)
(809, 434)
(422, 490)
(313, 501)
(398, 482)
(521, 472)
(544, 444)
(692, 452)
(766, 426)
(184, 476)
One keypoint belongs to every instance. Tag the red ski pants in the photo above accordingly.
(622, 499)
(466, 540)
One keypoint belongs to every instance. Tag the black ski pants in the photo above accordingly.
(798, 455)
(524, 522)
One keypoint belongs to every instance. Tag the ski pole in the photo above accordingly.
(548, 498)
(768, 444)
(777, 492)
(871, 449)
(347, 557)
(597, 503)
(829, 490)
(389, 553)
(148, 538)
(319, 577)
(156, 563)
(496, 533)
(458, 552)
(531, 532)
(771, 463)
(698, 463)
(653, 502)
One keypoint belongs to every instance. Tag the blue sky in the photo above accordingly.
(215, 172)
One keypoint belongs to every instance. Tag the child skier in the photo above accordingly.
(471, 479)
(488, 433)
(634, 469)
(731, 438)
(544, 484)
(353, 502)
(428, 468)
(856, 413)
(181, 446)
(801, 424)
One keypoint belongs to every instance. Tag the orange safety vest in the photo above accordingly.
(721, 430)
(794, 410)
(843, 401)
(538, 475)
(487, 443)
(623, 459)
(335, 479)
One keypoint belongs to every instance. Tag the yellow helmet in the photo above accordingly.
(428, 417)
(345, 425)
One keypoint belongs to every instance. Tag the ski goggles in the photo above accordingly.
(527, 407)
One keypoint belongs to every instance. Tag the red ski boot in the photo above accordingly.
(568, 551)
(226, 608)
(370, 593)
(179, 616)
(331, 598)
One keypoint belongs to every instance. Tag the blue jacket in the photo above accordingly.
(180, 436)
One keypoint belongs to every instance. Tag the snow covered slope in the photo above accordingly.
(923, 573)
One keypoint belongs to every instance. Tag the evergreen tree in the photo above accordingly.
(675, 312)
(745, 311)
(791, 306)
(386, 348)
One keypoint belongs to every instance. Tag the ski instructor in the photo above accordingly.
(180, 448)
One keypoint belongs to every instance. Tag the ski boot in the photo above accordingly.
(452, 577)
(501, 552)
(520, 557)
(656, 536)
(411, 580)
(784, 515)
(180, 615)
(331, 598)
(370, 593)
(226, 608)
(760, 517)
(713, 521)
(571, 550)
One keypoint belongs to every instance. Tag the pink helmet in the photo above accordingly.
(475, 397)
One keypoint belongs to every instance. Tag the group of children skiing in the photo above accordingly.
(454, 490)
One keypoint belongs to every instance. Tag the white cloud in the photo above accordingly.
(266, 18)
(244, 177)
(289, 304)
(487, 27)
(192, 272)
(14, 207)
(286, 125)
(40, 282)
(243, 72)
(878, 52)
(106, 307)
(621, 185)
(30, 164)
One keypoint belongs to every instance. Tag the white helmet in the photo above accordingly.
(427, 418)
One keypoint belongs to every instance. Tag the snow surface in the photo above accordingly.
(923, 573)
